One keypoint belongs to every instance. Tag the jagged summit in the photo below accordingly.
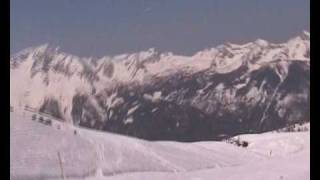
(305, 35)
(261, 42)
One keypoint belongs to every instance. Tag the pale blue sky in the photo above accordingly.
(101, 27)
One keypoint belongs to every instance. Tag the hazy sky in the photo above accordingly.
(101, 27)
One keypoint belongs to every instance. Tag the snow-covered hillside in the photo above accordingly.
(94, 155)
(230, 89)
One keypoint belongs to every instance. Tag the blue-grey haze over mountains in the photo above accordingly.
(97, 28)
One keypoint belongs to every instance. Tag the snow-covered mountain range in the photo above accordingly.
(229, 89)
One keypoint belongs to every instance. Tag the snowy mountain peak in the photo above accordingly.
(44, 48)
(306, 32)
(305, 35)
(261, 42)
(301, 38)
(152, 50)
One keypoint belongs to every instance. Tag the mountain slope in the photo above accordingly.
(89, 154)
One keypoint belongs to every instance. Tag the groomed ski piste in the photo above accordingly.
(62, 151)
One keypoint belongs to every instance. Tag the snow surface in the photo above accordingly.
(94, 155)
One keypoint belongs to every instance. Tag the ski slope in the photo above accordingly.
(96, 155)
